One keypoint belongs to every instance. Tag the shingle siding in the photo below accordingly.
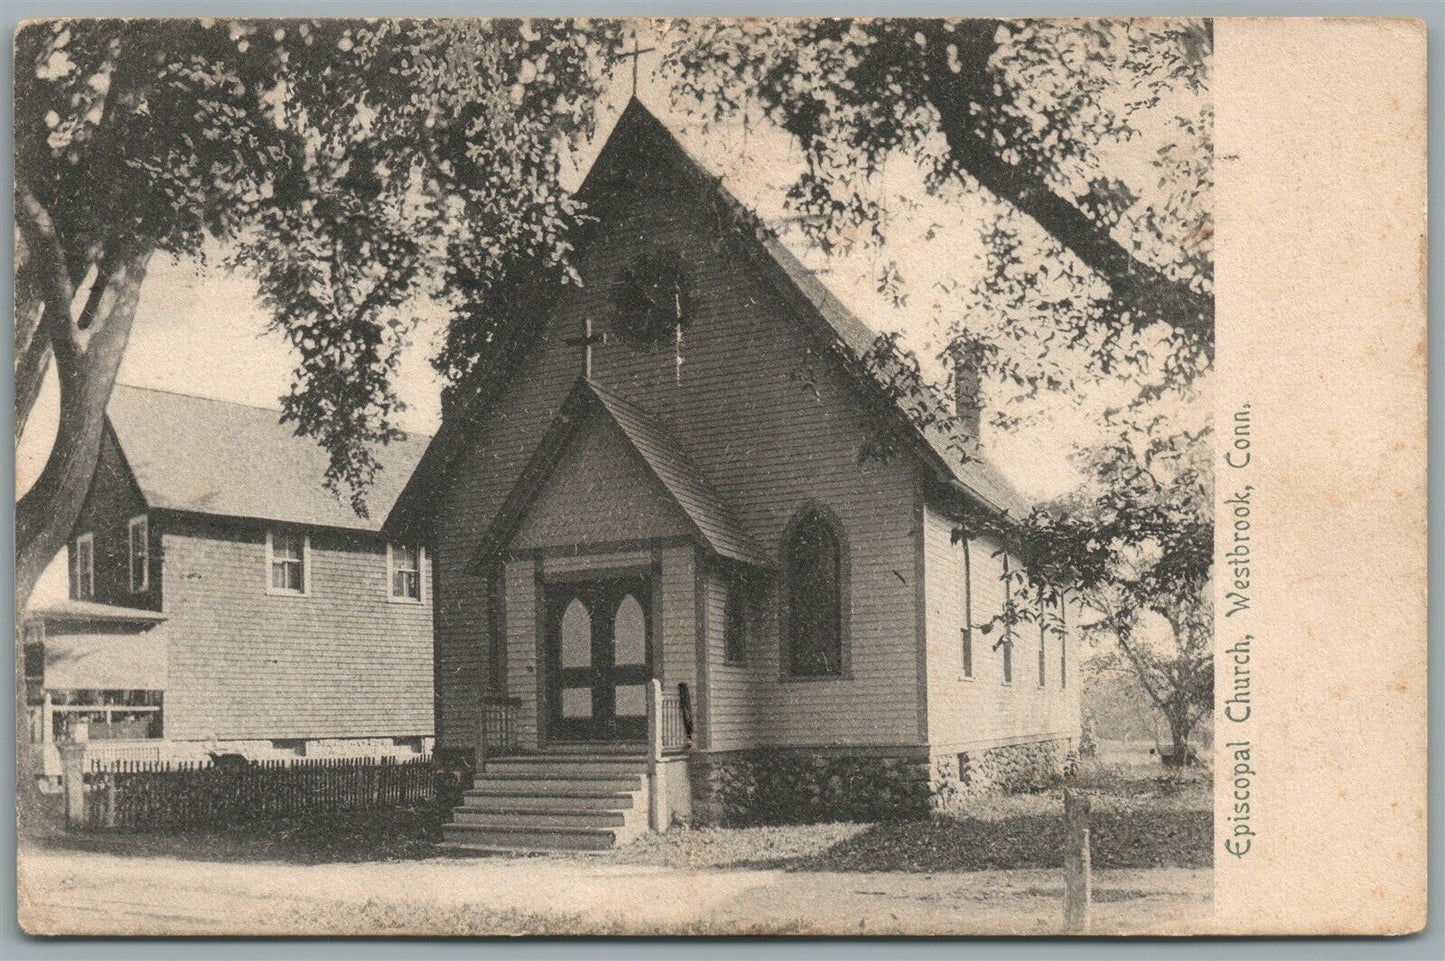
(341, 661)
(109, 506)
(599, 492)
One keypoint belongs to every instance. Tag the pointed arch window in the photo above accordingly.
(814, 570)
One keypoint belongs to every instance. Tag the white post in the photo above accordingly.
(656, 776)
(1078, 882)
(72, 773)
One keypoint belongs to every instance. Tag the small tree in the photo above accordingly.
(1135, 543)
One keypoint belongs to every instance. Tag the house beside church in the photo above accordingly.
(221, 600)
(666, 482)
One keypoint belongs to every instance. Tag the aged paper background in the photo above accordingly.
(1320, 287)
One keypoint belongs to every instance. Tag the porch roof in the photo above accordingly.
(714, 525)
(71, 611)
(131, 656)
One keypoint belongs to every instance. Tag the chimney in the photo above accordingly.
(966, 401)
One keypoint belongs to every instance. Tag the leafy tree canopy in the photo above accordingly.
(1088, 247)
(344, 164)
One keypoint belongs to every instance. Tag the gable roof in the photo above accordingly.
(713, 524)
(219, 458)
(636, 130)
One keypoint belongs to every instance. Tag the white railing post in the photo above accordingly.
(480, 759)
(656, 777)
(72, 772)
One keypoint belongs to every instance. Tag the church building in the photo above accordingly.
(666, 482)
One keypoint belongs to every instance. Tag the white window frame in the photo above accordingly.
(305, 567)
(88, 539)
(391, 594)
(141, 523)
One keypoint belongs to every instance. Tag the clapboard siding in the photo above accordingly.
(599, 492)
(109, 506)
(459, 664)
(524, 679)
(734, 689)
(984, 711)
(771, 424)
(342, 661)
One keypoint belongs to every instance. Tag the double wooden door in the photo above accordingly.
(599, 659)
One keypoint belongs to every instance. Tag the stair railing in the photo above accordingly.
(676, 714)
(497, 736)
(669, 729)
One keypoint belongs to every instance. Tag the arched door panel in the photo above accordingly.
(599, 643)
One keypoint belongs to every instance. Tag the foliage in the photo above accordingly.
(1133, 545)
(1036, 114)
(345, 159)
(347, 165)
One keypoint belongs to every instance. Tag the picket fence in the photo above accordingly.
(149, 794)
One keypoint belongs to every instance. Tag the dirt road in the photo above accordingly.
(81, 893)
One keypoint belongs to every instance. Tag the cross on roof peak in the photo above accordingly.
(636, 54)
(585, 341)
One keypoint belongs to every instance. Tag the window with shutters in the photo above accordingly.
(82, 573)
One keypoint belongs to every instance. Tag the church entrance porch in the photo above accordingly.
(598, 659)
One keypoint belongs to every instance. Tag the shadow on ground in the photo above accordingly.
(398, 834)
(1122, 840)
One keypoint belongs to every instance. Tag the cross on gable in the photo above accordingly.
(585, 341)
(636, 54)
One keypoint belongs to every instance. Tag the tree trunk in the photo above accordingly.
(32, 360)
(46, 515)
(1179, 733)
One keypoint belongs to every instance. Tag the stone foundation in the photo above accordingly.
(1031, 766)
(800, 785)
(791, 786)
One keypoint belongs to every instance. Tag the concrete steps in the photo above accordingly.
(559, 801)
(564, 818)
(468, 837)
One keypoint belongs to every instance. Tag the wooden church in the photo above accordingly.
(667, 584)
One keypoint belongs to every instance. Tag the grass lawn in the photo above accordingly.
(991, 870)
(1142, 817)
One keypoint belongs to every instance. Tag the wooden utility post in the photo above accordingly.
(1078, 885)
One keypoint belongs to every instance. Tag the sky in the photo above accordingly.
(200, 330)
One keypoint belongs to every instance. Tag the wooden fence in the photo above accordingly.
(144, 794)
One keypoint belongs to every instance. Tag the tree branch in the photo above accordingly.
(1147, 292)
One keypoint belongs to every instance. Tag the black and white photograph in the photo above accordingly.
(627, 477)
